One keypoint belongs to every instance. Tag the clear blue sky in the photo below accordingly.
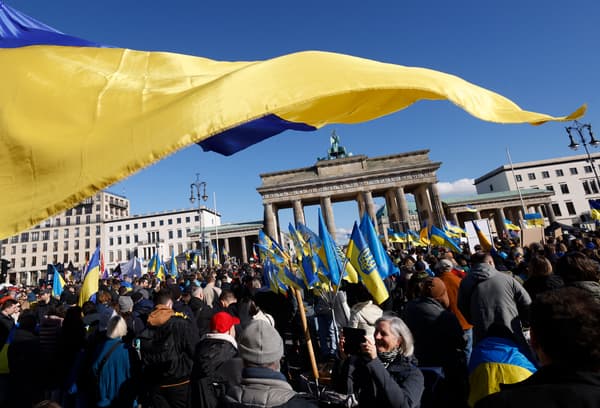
(544, 55)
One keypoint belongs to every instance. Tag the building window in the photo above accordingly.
(135, 226)
(25, 237)
(545, 174)
(44, 248)
(573, 171)
(170, 221)
(587, 169)
(187, 219)
(556, 209)
(66, 246)
(179, 234)
(559, 173)
(119, 241)
(118, 228)
(152, 223)
(23, 249)
(55, 246)
(87, 243)
(68, 221)
(35, 236)
(13, 250)
(517, 177)
(33, 247)
(564, 189)
(550, 187)
(127, 239)
(88, 219)
(76, 246)
(33, 261)
(76, 256)
(76, 234)
(44, 259)
(570, 208)
(87, 231)
(66, 233)
(135, 239)
(170, 234)
(97, 217)
(491, 187)
(197, 218)
(111, 241)
(57, 222)
(23, 263)
(45, 235)
(143, 225)
(127, 227)
(111, 256)
(97, 229)
(531, 176)
(55, 234)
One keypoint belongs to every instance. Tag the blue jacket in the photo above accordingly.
(114, 381)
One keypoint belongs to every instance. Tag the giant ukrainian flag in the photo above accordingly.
(76, 117)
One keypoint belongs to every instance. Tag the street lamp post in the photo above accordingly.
(579, 128)
(199, 187)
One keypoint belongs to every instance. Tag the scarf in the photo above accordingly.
(387, 357)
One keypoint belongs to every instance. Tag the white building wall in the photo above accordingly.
(571, 178)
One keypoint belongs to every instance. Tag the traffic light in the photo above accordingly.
(4, 266)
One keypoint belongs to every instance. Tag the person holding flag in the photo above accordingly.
(91, 277)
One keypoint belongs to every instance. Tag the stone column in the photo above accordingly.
(327, 211)
(298, 212)
(370, 206)
(244, 251)
(423, 205)
(402, 208)
(520, 216)
(226, 245)
(361, 205)
(270, 222)
(477, 215)
(538, 209)
(550, 212)
(436, 203)
(500, 226)
(392, 210)
(454, 218)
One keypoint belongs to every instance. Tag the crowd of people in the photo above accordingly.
(506, 328)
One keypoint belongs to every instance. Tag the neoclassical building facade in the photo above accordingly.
(359, 179)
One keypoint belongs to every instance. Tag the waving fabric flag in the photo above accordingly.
(385, 266)
(174, 271)
(359, 255)
(91, 275)
(439, 237)
(534, 220)
(595, 209)
(485, 243)
(58, 283)
(93, 102)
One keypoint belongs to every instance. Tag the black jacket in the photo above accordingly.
(167, 347)
(549, 387)
(400, 385)
(216, 366)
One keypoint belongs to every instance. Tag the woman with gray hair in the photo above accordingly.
(384, 372)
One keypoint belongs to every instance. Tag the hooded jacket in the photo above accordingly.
(487, 296)
(167, 347)
(364, 315)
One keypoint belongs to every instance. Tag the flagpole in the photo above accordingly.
(216, 226)
(512, 169)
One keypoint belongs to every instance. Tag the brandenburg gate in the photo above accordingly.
(355, 178)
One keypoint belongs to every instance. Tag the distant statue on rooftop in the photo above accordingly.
(336, 151)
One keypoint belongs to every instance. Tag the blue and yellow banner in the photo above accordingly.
(359, 255)
(595, 209)
(91, 275)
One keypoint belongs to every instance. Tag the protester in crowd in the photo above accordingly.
(364, 313)
(487, 296)
(211, 291)
(496, 360)
(135, 325)
(565, 335)
(70, 347)
(194, 297)
(167, 351)
(541, 278)
(452, 284)
(262, 384)
(216, 362)
(113, 369)
(578, 270)
(439, 342)
(384, 371)
(25, 385)
(49, 329)
(44, 303)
